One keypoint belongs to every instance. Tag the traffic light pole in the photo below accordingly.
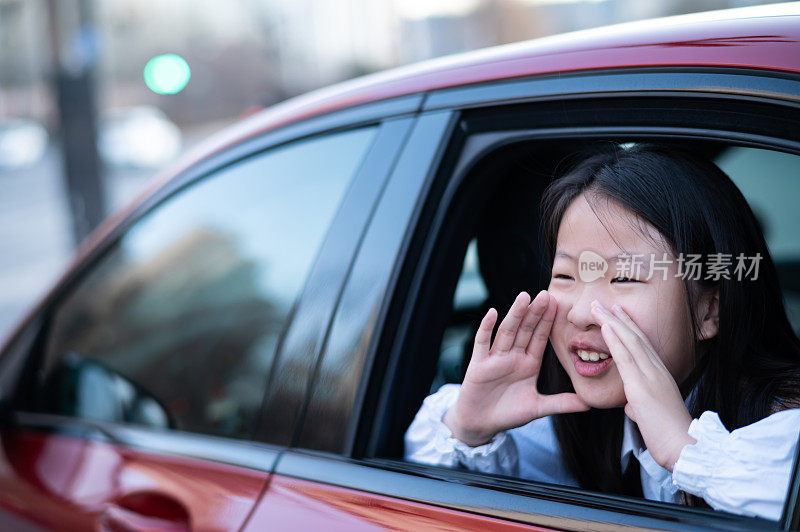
(74, 53)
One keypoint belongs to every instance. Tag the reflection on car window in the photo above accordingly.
(187, 308)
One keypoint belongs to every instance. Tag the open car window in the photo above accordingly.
(494, 261)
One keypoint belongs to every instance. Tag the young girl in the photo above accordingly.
(671, 376)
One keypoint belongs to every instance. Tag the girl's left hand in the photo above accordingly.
(654, 400)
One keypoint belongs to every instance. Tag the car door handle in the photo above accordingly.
(144, 512)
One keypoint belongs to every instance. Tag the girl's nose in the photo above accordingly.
(580, 311)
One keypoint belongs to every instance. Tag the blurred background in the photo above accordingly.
(97, 95)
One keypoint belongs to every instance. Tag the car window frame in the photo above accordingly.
(772, 88)
(323, 290)
(360, 305)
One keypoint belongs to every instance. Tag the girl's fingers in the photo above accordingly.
(510, 324)
(631, 341)
(533, 314)
(626, 365)
(484, 335)
(541, 332)
(560, 403)
(620, 313)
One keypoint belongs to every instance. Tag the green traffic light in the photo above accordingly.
(167, 74)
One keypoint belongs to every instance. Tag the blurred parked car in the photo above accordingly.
(23, 142)
(138, 137)
(245, 345)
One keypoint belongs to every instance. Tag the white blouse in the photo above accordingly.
(746, 471)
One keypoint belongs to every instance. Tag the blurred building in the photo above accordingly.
(256, 52)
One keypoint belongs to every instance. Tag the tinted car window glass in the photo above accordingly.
(178, 324)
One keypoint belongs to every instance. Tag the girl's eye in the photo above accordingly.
(562, 276)
(624, 280)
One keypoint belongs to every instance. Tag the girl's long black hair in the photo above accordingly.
(750, 366)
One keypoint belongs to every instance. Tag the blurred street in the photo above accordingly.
(35, 234)
(35, 228)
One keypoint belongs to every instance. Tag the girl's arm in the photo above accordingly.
(746, 471)
(429, 441)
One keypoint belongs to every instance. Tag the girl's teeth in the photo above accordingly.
(591, 356)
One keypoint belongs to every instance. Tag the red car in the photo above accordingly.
(245, 346)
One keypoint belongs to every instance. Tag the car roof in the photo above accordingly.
(760, 37)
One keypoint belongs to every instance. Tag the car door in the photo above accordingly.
(403, 300)
(134, 397)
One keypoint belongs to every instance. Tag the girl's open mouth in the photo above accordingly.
(589, 359)
(591, 356)
(589, 367)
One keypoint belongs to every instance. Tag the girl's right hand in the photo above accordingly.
(499, 388)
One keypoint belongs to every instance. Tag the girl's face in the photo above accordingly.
(657, 305)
